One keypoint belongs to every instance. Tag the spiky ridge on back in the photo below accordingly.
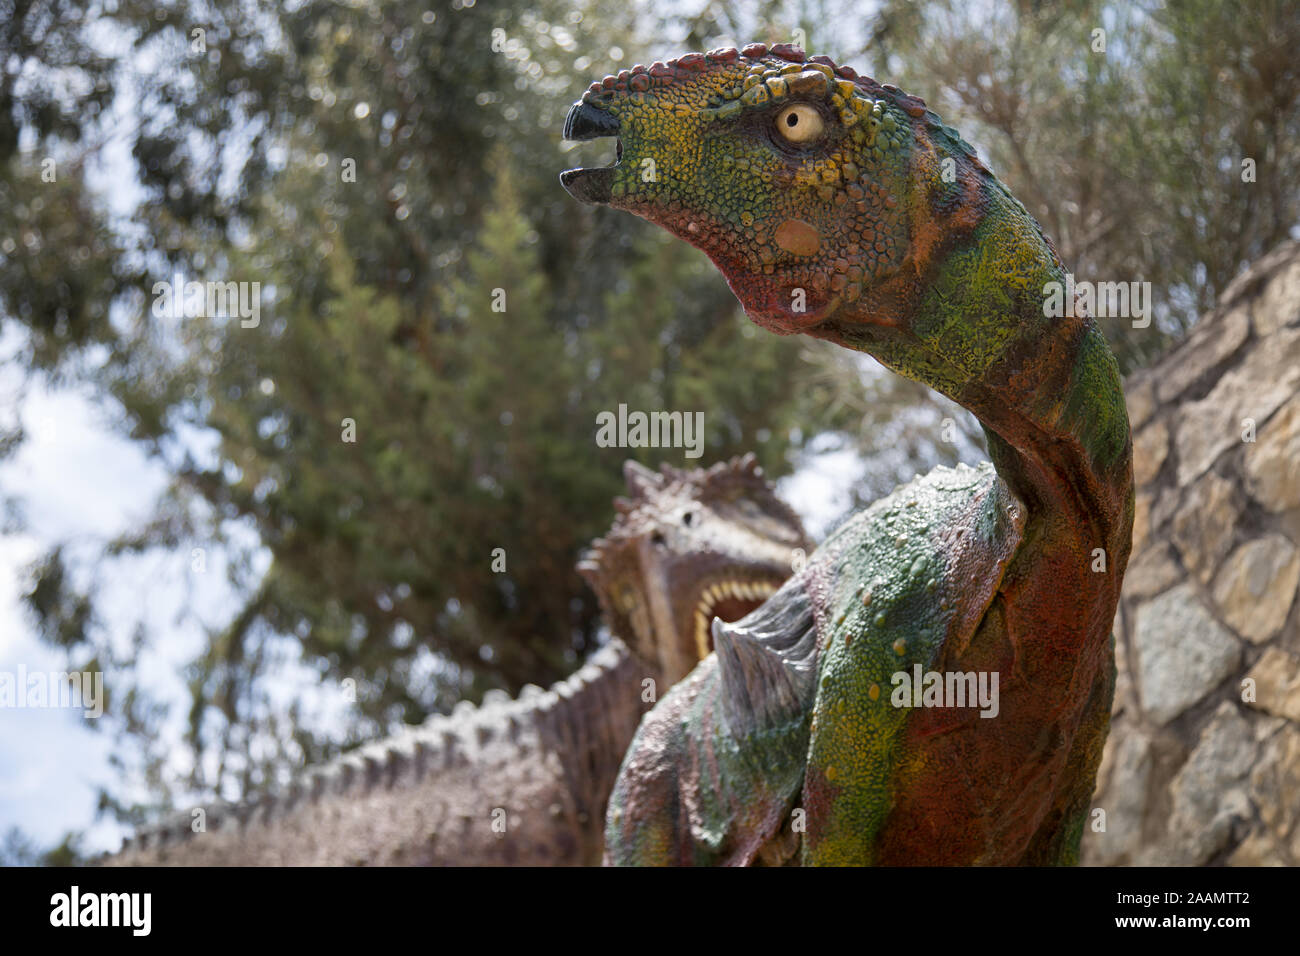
(332, 802)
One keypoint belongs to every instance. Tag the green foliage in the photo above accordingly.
(54, 82)
(18, 849)
(474, 424)
(59, 267)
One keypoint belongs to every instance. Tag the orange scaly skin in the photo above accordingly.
(844, 209)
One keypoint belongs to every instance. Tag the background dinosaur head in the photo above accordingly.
(688, 546)
(795, 176)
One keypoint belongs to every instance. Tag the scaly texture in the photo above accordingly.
(805, 681)
(525, 782)
(844, 209)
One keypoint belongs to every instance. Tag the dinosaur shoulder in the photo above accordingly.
(915, 572)
(921, 565)
(944, 532)
(717, 766)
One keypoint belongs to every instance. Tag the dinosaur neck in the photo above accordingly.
(1047, 390)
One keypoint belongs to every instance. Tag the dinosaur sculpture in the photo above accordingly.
(847, 210)
(525, 781)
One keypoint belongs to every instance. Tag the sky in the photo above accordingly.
(76, 481)
(80, 484)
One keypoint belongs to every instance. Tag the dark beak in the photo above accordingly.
(589, 185)
(587, 122)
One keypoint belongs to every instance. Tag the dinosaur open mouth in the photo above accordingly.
(593, 185)
(729, 599)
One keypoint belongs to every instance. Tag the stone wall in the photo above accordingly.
(1203, 760)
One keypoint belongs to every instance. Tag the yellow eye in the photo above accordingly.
(799, 123)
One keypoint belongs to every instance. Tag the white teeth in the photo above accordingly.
(737, 590)
(714, 594)
(701, 634)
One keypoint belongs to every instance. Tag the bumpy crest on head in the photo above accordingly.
(797, 177)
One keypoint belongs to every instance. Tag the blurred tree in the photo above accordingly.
(60, 265)
(398, 181)
(18, 849)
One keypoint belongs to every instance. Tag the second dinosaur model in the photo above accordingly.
(834, 724)
(525, 781)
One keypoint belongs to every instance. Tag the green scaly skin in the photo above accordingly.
(844, 209)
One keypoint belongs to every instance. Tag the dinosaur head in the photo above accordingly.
(801, 180)
(686, 547)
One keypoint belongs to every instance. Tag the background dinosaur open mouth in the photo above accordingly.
(593, 185)
(730, 600)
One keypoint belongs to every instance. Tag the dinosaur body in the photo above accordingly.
(525, 781)
(844, 209)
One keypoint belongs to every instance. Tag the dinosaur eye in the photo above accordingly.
(688, 518)
(799, 123)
